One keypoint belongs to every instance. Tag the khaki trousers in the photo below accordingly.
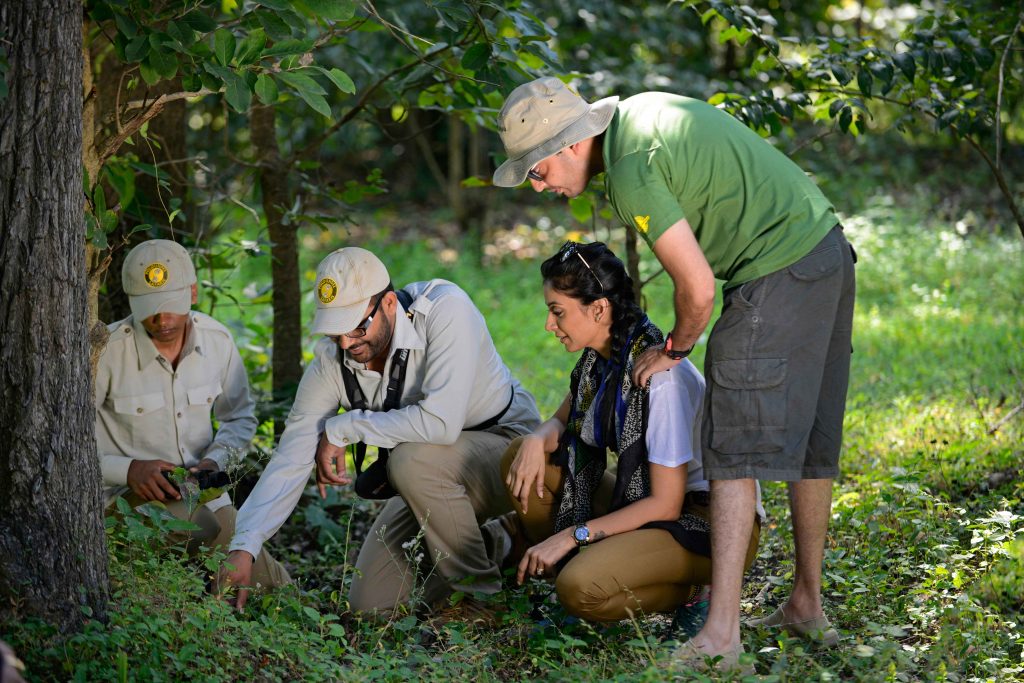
(636, 572)
(445, 493)
(215, 531)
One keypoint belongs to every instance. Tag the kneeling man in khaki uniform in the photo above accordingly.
(165, 371)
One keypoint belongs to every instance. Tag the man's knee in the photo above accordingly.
(408, 463)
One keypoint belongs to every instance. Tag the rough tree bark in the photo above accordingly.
(287, 359)
(53, 559)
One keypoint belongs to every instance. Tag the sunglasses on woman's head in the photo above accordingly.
(570, 248)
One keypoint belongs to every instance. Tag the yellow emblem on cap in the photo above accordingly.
(327, 290)
(642, 223)
(156, 275)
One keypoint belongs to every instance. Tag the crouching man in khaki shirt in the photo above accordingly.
(165, 369)
(434, 391)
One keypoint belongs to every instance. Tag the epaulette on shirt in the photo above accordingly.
(206, 323)
(122, 329)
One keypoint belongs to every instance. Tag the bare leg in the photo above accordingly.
(810, 501)
(732, 520)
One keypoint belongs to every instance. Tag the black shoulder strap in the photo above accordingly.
(396, 383)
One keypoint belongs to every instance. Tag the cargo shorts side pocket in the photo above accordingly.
(748, 405)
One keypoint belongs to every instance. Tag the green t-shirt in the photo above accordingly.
(752, 210)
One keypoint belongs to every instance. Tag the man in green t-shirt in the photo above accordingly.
(714, 200)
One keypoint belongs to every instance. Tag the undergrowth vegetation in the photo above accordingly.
(924, 568)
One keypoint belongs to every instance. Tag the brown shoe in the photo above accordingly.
(513, 526)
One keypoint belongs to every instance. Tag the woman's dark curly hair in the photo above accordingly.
(588, 272)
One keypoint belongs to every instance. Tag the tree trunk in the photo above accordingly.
(53, 560)
(287, 355)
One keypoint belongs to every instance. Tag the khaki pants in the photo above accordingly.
(641, 571)
(215, 531)
(446, 492)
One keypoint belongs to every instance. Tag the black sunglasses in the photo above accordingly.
(363, 327)
(567, 251)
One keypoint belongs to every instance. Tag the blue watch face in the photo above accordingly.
(581, 534)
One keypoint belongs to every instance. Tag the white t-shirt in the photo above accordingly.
(674, 422)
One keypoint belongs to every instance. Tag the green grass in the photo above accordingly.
(924, 567)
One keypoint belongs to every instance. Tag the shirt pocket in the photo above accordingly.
(143, 404)
(146, 420)
(204, 396)
(748, 405)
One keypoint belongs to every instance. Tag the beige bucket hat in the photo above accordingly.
(542, 117)
(157, 276)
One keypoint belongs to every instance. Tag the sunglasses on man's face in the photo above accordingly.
(361, 329)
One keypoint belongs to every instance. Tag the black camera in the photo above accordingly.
(207, 479)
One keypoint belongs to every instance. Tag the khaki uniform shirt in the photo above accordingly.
(147, 410)
(454, 379)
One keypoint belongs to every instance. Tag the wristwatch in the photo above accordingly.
(581, 535)
(678, 355)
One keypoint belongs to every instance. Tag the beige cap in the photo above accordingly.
(345, 282)
(542, 117)
(158, 276)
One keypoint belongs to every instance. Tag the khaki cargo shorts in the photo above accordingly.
(777, 370)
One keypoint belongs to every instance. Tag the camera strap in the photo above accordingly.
(393, 394)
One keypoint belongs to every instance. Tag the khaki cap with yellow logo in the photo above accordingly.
(158, 276)
(345, 282)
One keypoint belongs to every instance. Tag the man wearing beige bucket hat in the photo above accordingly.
(165, 372)
(418, 376)
(714, 200)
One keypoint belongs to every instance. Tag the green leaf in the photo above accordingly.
(984, 57)
(905, 62)
(288, 47)
(845, 118)
(224, 46)
(251, 47)
(199, 22)
(149, 74)
(476, 57)
(236, 90)
(835, 108)
(947, 119)
(137, 49)
(182, 33)
(164, 62)
(126, 25)
(841, 74)
(340, 79)
(309, 90)
(301, 82)
(864, 81)
(334, 10)
(883, 71)
(266, 89)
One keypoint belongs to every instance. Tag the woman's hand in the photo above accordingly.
(541, 559)
(527, 471)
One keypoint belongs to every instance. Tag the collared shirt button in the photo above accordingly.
(179, 413)
(209, 399)
(139, 411)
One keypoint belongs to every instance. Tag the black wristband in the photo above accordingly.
(678, 355)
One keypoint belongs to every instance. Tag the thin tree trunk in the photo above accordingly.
(53, 558)
(287, 355)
